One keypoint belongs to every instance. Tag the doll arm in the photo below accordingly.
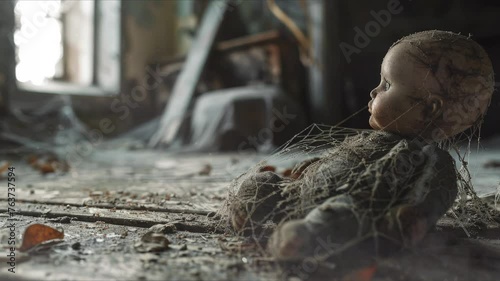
(255, 201)
(409, 222)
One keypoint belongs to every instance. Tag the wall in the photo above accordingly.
(7, 59)
(149, 30)
(361, 71)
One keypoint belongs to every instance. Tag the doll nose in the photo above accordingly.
(373, 93)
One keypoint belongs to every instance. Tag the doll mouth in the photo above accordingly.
(370, 106)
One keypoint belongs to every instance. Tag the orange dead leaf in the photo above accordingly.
(268, 169)
(32, 159)
(46, 168)
(287, 173)
(296, 176)
(4, 166)
(363, 274)
(38, 233)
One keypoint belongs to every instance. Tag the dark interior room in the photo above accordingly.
(249, 140)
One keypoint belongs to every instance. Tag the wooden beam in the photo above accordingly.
(185, 86)
(325, 74)
(267, 37)
(145, 219)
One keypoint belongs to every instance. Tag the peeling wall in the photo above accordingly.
(152, 32)
(7, 57)
(149, 32)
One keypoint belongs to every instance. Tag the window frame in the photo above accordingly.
(102, 49)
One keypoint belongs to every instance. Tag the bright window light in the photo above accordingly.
(55, 41)
(38, 40)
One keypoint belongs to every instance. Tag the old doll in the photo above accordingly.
(377, 191)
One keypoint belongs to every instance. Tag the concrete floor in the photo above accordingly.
(115, 195)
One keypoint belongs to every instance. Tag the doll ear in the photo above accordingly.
(436, 105)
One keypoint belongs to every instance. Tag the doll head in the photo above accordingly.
(434, 84)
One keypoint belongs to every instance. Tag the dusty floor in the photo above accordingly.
(108, 202)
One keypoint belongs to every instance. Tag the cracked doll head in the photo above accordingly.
(434, 84)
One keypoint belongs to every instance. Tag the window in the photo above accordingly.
(68, 47)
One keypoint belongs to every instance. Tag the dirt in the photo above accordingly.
(106, 205)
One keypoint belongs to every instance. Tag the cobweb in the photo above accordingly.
(323, 162)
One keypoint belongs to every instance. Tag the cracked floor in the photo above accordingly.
(108, 202)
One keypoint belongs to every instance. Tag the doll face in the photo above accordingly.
(400, 103)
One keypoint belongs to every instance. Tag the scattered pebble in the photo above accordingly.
(152, 242)
(76, 246)
(96, 193)
(148, 257)
(168, 228)
(206, 170)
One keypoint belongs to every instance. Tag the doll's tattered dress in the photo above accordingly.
(373, 193)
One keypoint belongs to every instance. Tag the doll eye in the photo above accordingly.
(387, 85)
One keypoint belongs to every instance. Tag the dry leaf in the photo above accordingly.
(38, 233)
(363, 274)
(46, 168)
(32, 159)
(287, 173)
(47, 164)
(267, 169)
(4, 166)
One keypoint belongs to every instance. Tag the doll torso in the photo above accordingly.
(378, 169)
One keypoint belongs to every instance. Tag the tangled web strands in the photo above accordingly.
(295, 199)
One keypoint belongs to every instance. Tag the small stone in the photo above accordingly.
(96, 193)
(152, 242)
(207, 168)
(76, 246)
(163, 228)
(148, 257)
(183, 247)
